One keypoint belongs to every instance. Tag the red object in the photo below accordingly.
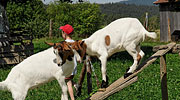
(68, 29)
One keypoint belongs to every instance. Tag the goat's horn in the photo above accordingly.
(51, 44)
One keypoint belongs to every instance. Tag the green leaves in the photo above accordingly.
(84, 17)
(29, 15)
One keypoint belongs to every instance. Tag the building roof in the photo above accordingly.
(165, 1)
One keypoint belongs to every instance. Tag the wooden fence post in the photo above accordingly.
(163, 74)
(89, 80)
(169, 30)
(50, 28)
(81, 79)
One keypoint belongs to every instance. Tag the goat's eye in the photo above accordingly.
(55, 52)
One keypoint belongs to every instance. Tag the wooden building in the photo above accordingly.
(169, 20)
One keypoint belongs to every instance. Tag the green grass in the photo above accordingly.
(146, 88)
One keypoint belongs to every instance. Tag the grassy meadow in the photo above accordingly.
(146, 88)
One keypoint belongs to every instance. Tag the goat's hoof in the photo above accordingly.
(78, 89)
(127, 70)
(104, 84)
(101, 89)
(127, 75)
(78, 93)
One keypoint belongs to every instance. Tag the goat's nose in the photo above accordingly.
(59, 64)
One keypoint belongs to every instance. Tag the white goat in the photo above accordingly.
(122, 34)
(38, 69)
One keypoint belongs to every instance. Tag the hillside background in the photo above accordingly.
(139, 2)
(132, 8)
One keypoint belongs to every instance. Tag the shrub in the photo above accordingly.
(84, 17)
(29, 15)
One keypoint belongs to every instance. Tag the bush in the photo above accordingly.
(29, 15)
(84, 17)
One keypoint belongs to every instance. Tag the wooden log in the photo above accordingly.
(16, 48)
(159, 47)
(163, 74)
(175, 49)
(25, 53)
(140, 68)
(12, 60)
(16, 38)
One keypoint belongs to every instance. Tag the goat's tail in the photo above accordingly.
(3, 85)
(151, 34)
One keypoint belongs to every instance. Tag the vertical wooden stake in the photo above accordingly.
(146, 21)
(89, 80)
(169, 30)
(81, 79)
(50, 29)
(163, 73)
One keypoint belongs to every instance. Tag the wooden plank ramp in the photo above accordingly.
(122, 83)
(114, 87)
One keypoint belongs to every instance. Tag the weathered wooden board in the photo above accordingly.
(16, 38)
(113, 88)
(16, 48)
(132, 78)
(25, 53)
(175, 49)
(12, 60)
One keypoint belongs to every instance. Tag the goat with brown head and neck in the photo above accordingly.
(65, 51)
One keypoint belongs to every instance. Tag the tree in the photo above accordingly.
(84, 17)
(29, 15)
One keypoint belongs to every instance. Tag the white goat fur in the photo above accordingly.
(125, 34)
(35, 70)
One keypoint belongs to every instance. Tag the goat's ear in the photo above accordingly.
(76, 54)
(50, 44)
(82, 42)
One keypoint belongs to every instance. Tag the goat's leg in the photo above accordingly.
(131, 49)
(103, 60)
(140, 54)
(61, 80)
(19, 95)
